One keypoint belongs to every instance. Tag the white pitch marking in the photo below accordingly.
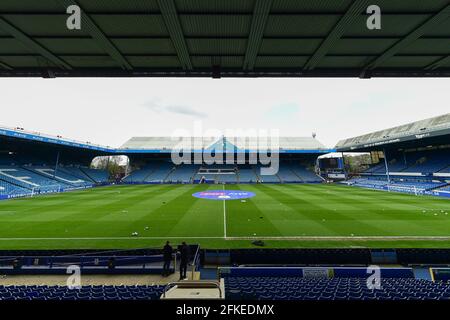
(289, 238)
(107, 238)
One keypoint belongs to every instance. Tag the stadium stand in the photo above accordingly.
(12, 190)
(165, 172)
(182, 174)
(139, 175)
(247, 175)
(294, 288)
(61, 176)
(251, 288)
(160, 174)
(227, 178)
(18, 181)
(420, 162)
(412, 158)
(29, 179)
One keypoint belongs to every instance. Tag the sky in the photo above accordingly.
(110, 111)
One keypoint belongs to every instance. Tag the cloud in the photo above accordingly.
(186, 111)
(176, 109)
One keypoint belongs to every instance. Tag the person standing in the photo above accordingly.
(184, 259)
(167, 257)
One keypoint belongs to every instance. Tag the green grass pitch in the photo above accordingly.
(282, 215)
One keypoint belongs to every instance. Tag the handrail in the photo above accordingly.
(193, 282)
(194, 262)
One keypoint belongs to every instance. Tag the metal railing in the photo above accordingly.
(195, 262)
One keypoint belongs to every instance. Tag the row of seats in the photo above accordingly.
(434, 161)
(297, 288)
(413, 186)
(166, 172)
(83, 293)
(253, 288)
(30, 179)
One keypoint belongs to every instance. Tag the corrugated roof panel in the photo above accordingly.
(26, 61)
(215, 6)
(11, 45)
(131, 25)
(289, 46)
(409, 62)
(300, 25)
(442, 31)
(217, 46)
(43, 25)
(31, 6)
(90, 61)
(224, 62)
(310, 5)
(280, 62)
(391, 25)
(343, 62)
(144, 46)
(411, 5)
(428, 46)
(362, 46)
(154, 61)
(119, 5)
(419, 127)
(294, 143)
(216, 25)
(71, 46)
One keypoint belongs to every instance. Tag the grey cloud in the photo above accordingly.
(177, 109)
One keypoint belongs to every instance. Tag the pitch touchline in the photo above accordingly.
(315, 238)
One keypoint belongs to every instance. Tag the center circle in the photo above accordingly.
(223, 194)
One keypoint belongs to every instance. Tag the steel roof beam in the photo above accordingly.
(431, 23)
(32, 45)
(170, 16)
(439, 63)
(259, 19)
(5, 66)
(353, 12)
(97, 34)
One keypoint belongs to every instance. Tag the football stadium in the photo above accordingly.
(225, 217)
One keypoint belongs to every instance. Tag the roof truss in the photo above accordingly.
(170, 15)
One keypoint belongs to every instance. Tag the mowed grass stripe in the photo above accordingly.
(322, 212)
(396, 217)
(354, 215)
(70, 215)
(121, 220)
(200, 217)
(244, 218)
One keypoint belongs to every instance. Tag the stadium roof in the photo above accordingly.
(222, 38)
(419, 132)
(285, 144)
(143, 145)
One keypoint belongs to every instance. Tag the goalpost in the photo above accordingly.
(404, 189)
(45, 189)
